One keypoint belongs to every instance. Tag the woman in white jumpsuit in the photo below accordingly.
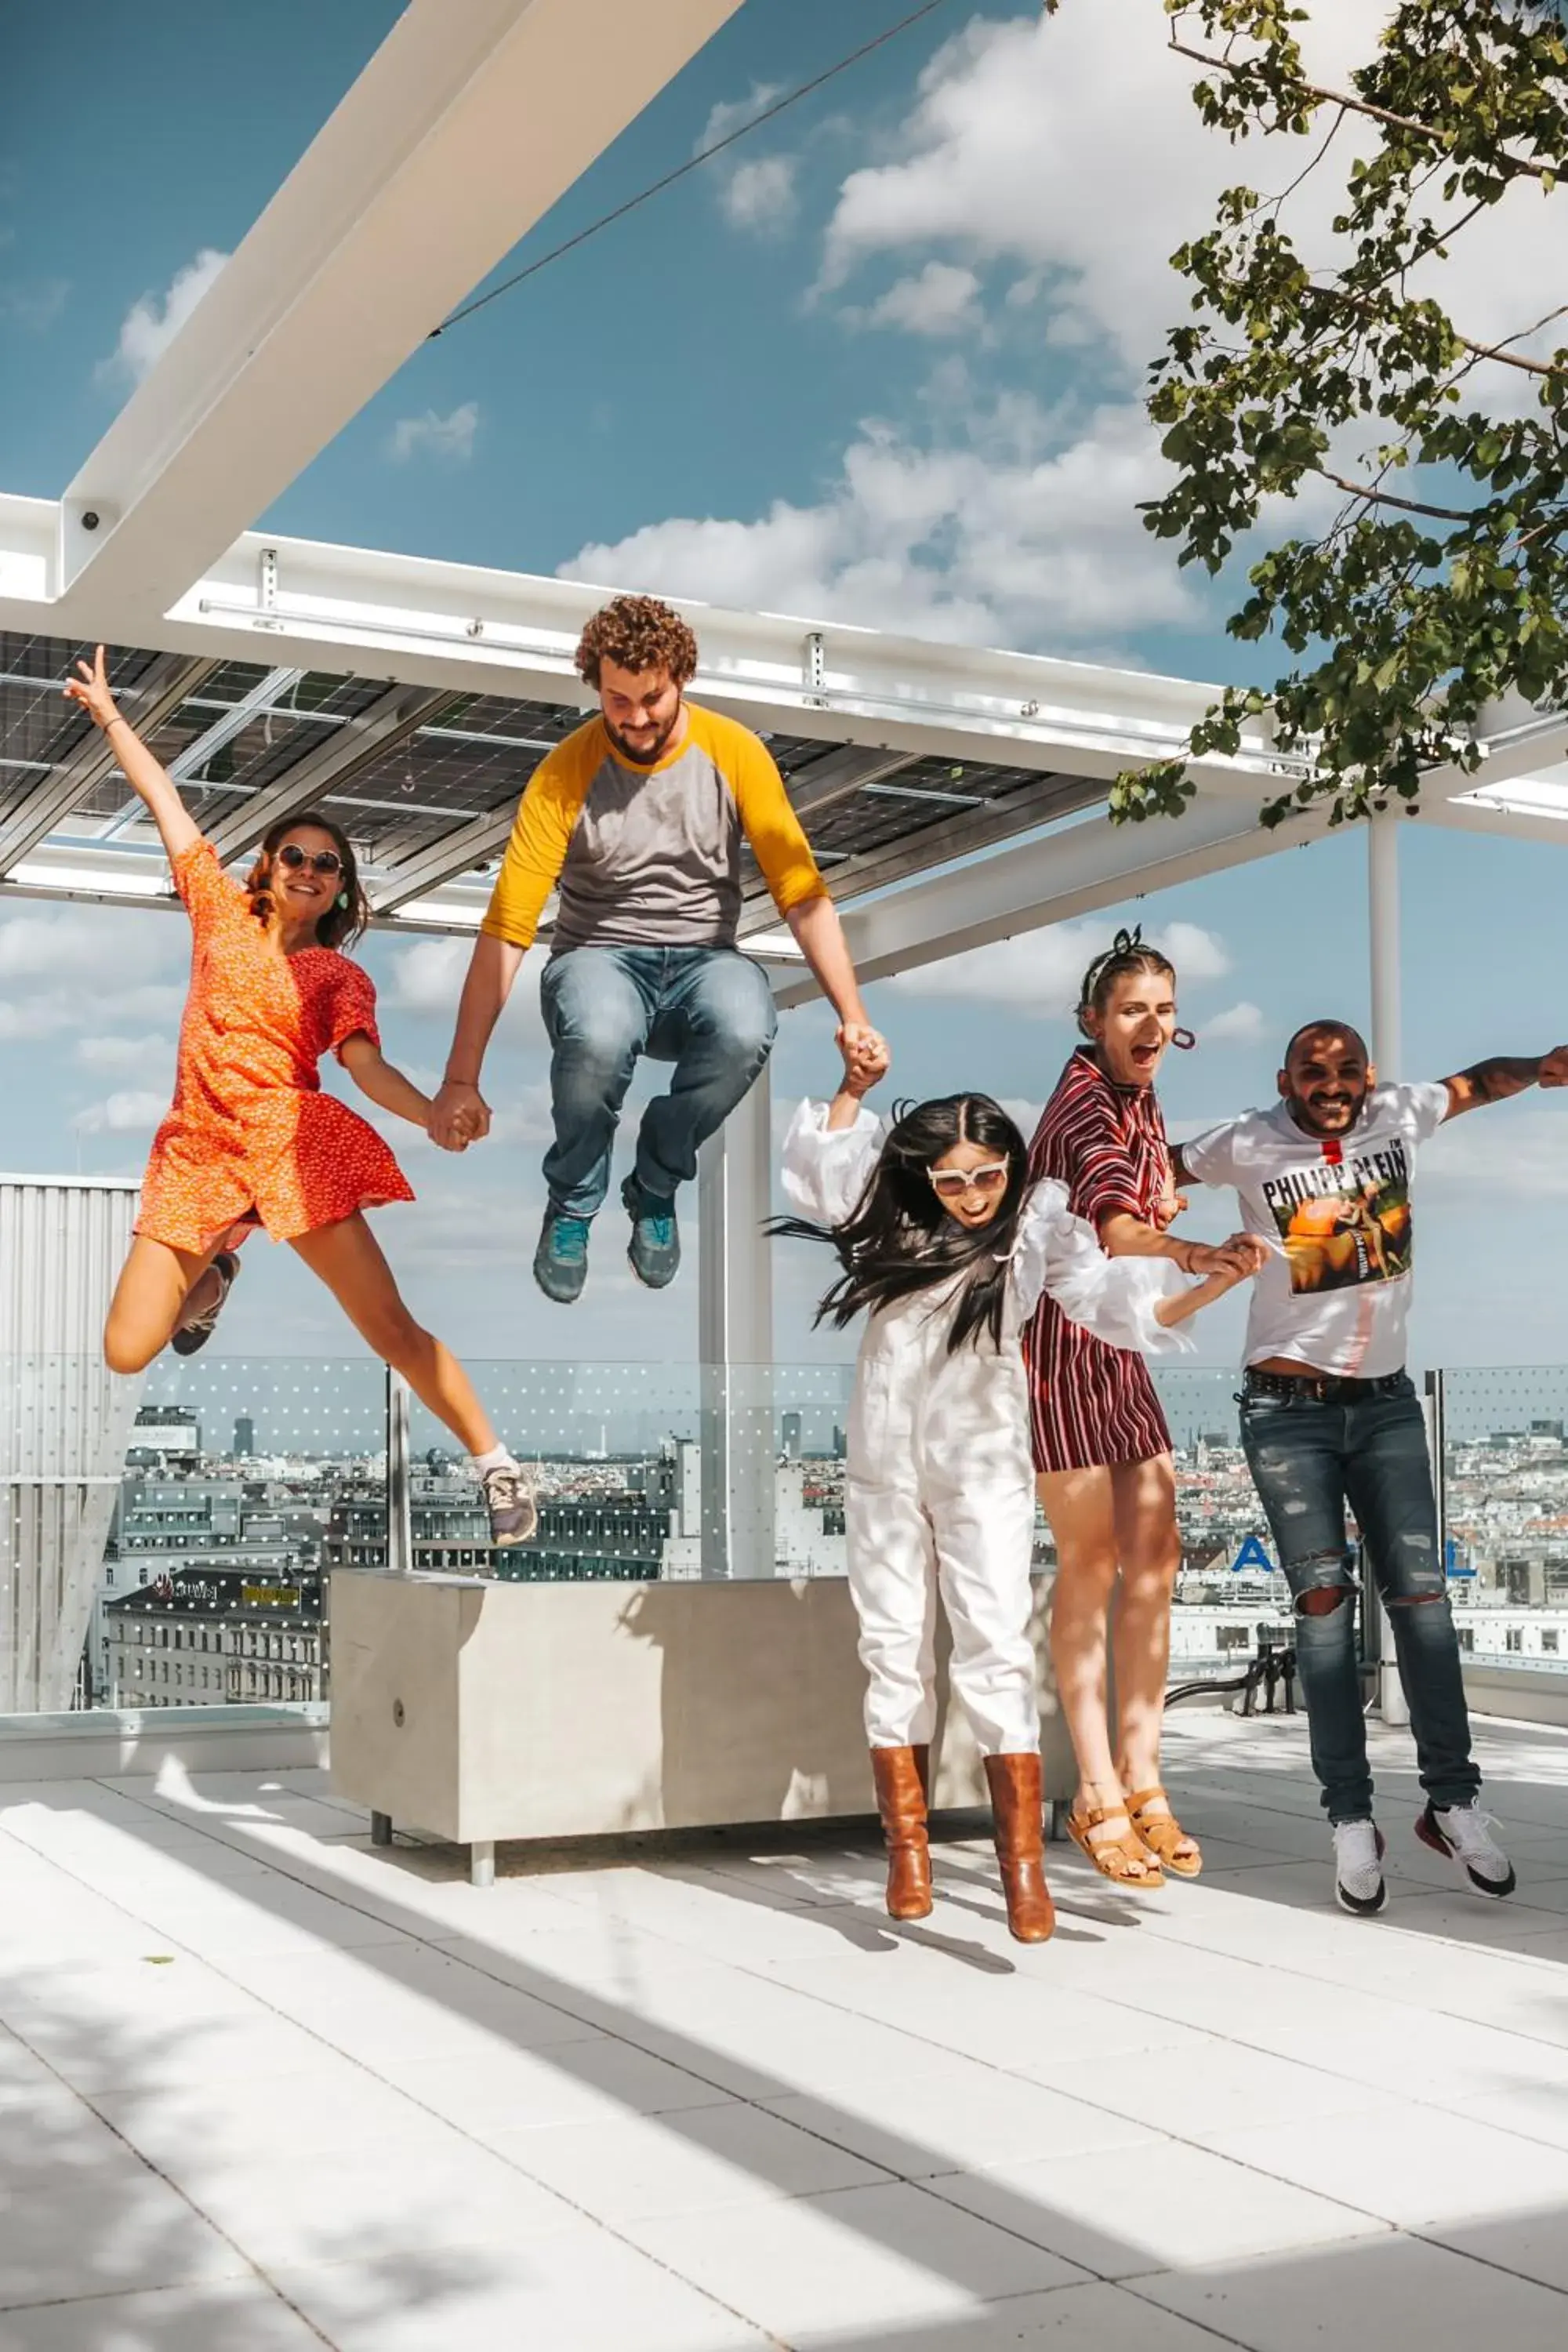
(942, 1240)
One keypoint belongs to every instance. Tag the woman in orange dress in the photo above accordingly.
(250, 1139)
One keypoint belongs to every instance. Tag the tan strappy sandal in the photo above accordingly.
(1163, 1835)
(1125, 1861)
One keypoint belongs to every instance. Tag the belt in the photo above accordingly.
(1323, 1388)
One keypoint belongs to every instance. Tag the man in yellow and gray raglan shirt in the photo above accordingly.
(638, 820)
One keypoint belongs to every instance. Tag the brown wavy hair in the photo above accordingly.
(340, 926)
(638, 633)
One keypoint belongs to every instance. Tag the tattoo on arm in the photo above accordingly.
(1492, 1081)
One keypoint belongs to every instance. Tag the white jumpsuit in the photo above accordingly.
(939, 1484)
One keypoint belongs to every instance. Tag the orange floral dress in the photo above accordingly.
(250, 1139)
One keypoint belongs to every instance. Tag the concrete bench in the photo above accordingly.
(483, 1712)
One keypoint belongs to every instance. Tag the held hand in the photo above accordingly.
(460, 1115)
(866, 1058)
(1242, 1255)
(1554, 1067)
(90, 689)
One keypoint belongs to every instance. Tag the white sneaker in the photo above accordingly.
(1358, 1868)
(1463, 1833)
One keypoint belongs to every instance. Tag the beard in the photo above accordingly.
(654, 751)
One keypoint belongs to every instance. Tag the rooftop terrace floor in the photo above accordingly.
(262, 2087)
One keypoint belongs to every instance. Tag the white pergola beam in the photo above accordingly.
(471, 120)
(1087, 866)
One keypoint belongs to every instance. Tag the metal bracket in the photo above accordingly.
(815, 672)
(266, 590)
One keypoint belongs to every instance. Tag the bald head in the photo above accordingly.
(1311, 1031)
(1326, 1076)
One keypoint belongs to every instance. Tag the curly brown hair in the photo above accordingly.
(638, 633)
(341, 925)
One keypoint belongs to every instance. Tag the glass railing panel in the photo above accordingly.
(165, 1543)
(1505, 1512)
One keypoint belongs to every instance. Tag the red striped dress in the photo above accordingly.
(1090, 1404)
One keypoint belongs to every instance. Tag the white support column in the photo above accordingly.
(1383, 936)
(735, 1341)
(1383, 924)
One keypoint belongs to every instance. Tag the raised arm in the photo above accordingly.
(1503, 1074)
(152, 782)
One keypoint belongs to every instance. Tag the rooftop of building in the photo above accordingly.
(282, 2089)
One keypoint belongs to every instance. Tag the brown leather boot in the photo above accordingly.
(902, 1802)
(1019, 1806)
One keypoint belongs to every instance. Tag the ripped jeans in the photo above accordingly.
(1308, 1459)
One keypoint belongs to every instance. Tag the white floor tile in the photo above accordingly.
(422, 2190)
(578, 2291)
(585, 2082)
(1391, 2290)
(1216, 2086)
(241, 2316)
(1533, 2245)
(920, 2126)
(698, 2160)
(1153, 2206)
(855, 2261)
(104, 2237)
(1091, 2318)
(1410, 2165)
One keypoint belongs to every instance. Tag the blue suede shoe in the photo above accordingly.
(561, 1261)
(654, 1246)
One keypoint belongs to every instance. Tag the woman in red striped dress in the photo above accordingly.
(1102, 1447)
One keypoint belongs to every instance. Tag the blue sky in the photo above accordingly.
(881, 363)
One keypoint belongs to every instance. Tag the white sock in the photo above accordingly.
(499, 1457)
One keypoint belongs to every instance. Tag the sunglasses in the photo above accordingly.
(322, 861)
(952, 1183)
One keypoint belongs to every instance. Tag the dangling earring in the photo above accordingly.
(1183, 1040)
(342, 898)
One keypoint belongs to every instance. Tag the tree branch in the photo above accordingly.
(1356, 105)
(1392, 498)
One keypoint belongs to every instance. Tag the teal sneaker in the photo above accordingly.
(561, 1261)
(654, 1246)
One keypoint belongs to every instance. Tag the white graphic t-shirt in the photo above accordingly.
(1335, 1292)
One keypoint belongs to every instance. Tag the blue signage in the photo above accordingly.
(1252, 1560)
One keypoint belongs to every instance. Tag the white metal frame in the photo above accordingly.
(466, 126)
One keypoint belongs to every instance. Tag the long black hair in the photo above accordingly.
(901, 1240)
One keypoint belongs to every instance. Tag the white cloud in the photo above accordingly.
(1068, 144)
(1022, 530)
(124, 1053)
(52, 965)
(1040, 973)
(449, 438)
(121, 1114)
(1241, 1022)
(759, 195)
(942, 300)
(427, 980)
(151, 324)
(1514, 1155)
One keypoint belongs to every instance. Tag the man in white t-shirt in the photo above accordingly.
(1330, 1418)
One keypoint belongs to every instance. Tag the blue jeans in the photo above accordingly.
(1308, 1460)
(708, 1010)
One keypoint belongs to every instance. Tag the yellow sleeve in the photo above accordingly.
(771, 824)
(546, 815)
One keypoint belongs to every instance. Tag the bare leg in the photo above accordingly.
(151, 1301)
(348, 1260)
(1150, 1547)
(1082, 1508)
